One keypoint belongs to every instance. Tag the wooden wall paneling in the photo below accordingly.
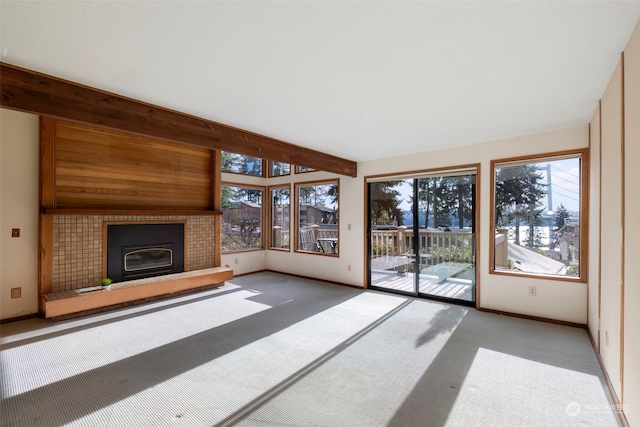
(47, 200)
(105, 168)
(33, 92)
(216, 203)
(611, 254)
(478, 233)
(631, 239)
(585, 220)
(593, 294)
(45, 267)
(600, 223)
(47, 163)
(622, 223)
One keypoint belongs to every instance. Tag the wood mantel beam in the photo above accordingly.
(29, 91)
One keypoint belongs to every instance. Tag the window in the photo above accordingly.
(303, 169)
(537, 219)
(239, 163)
(241, 218)
(280, 198)
(317, 213)
(279, 168)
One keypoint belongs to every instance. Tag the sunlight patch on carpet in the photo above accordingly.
(497, 383)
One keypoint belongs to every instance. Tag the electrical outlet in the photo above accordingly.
(532, 291)
(16, 293)
(606, 337)
(15, 232)
(349, 267)
(235, 260)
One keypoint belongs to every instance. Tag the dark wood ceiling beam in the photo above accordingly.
(37, 93)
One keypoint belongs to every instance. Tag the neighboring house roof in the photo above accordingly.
(320, 208)
(237, 204)
(532, 262)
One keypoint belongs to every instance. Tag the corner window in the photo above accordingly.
(538, 221)
(317, 213)
(239, 163)
(241, 218)
(280, 198)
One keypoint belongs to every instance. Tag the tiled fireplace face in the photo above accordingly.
(77, 245)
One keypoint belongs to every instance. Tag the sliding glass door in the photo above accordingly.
(422, 235)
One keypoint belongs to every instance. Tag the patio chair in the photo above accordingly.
(307, 241)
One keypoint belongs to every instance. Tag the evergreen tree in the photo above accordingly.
(534, 219)
(240, 163)
(561, 218)
(280, 168)
(518, 191)
(442, 201)
(462, 189)
(434, 198)
(385, 201)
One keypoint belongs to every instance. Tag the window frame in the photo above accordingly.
(270, 218)
(262, 189)
(297, 186)
(583, 156)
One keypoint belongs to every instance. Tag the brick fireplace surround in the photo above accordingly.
(78, 245)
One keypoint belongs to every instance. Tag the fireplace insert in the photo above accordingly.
(136, 251)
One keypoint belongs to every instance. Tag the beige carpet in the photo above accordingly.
(274, 350)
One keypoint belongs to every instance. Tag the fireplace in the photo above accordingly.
(136, 251)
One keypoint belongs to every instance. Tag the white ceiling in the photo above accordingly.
(357, 79)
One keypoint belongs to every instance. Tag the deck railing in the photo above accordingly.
(281, 238)
(437, 246)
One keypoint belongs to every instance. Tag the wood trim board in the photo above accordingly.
(68, 302)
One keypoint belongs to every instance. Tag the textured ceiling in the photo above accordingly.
(357, 79)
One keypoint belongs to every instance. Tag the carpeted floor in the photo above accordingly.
(274, 350)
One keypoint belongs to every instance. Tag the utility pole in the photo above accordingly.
(549, 201)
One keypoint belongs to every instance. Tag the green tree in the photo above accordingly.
(561, 216)
(385, 201)
(316, 195)
(240, 163)
(534, 219)
(461, 193)
(435, 201)
(442, 201)
(280, 168)
(241, 222)
(518, 192)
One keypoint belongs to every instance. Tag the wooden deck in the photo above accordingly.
(67, 302)
(451, 288)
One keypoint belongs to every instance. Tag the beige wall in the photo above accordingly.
(594, 227)
(18, 209)
(631, 335)
(611, 226)
(613, 313)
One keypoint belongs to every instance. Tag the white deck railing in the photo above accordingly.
(436, 246)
